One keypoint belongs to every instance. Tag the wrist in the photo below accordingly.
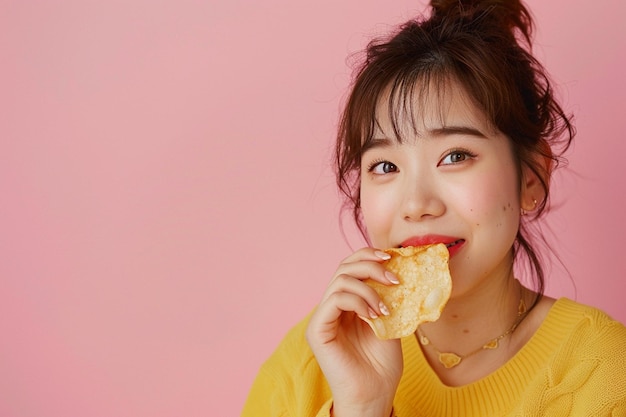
(362, 410)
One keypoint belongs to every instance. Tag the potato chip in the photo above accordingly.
(424, 289)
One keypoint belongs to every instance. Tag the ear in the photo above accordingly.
(535, 182)
(532, 192)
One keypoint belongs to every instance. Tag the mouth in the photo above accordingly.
(450, 242)
(456, 242)
(453, 244)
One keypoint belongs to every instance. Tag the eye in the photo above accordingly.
(456, 156)
(382, 167)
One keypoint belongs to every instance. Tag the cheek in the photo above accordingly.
(491, 202)
(378, 211)
(495, 202)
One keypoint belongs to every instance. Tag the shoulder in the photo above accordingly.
(589, 339)
(567, 322)
(293, 351)
(293, 360)
(290, 382)
(592, 322)
(589, 358)
(586, 330)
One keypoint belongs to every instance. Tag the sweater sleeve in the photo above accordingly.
(262, 399)
(290, 383)
(588, 377)
(269, 398)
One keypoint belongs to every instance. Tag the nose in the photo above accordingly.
(422, 199)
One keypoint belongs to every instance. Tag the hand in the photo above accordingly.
(363, 371)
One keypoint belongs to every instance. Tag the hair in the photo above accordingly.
(485, 47)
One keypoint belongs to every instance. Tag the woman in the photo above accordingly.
(450, 135)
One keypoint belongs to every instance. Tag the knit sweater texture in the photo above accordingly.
(574, 365)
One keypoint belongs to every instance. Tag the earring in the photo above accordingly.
(524, 212)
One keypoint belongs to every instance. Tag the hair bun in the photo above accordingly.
(507, 15)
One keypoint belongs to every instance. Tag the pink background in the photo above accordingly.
(167, 209)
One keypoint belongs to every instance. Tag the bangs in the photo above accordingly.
(405, 103)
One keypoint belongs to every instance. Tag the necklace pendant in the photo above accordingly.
(449, 359)
(492, 344)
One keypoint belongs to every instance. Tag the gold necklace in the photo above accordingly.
(451, 359)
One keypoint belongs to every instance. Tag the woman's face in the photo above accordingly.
(451, 180)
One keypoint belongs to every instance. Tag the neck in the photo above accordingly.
(469, 320)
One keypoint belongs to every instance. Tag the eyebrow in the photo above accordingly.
(376, 143)
(457, 130)
(381, 142)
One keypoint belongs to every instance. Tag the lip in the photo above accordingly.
(454, 244)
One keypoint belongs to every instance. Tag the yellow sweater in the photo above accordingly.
(575, 365)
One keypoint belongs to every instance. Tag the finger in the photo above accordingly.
(367, 269)
(350, 285)
(325, 322)
(367, 254)
(368, 264)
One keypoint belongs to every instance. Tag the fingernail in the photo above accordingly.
(391, 277)
(383, 308)
(372, 314)
(382, 255)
